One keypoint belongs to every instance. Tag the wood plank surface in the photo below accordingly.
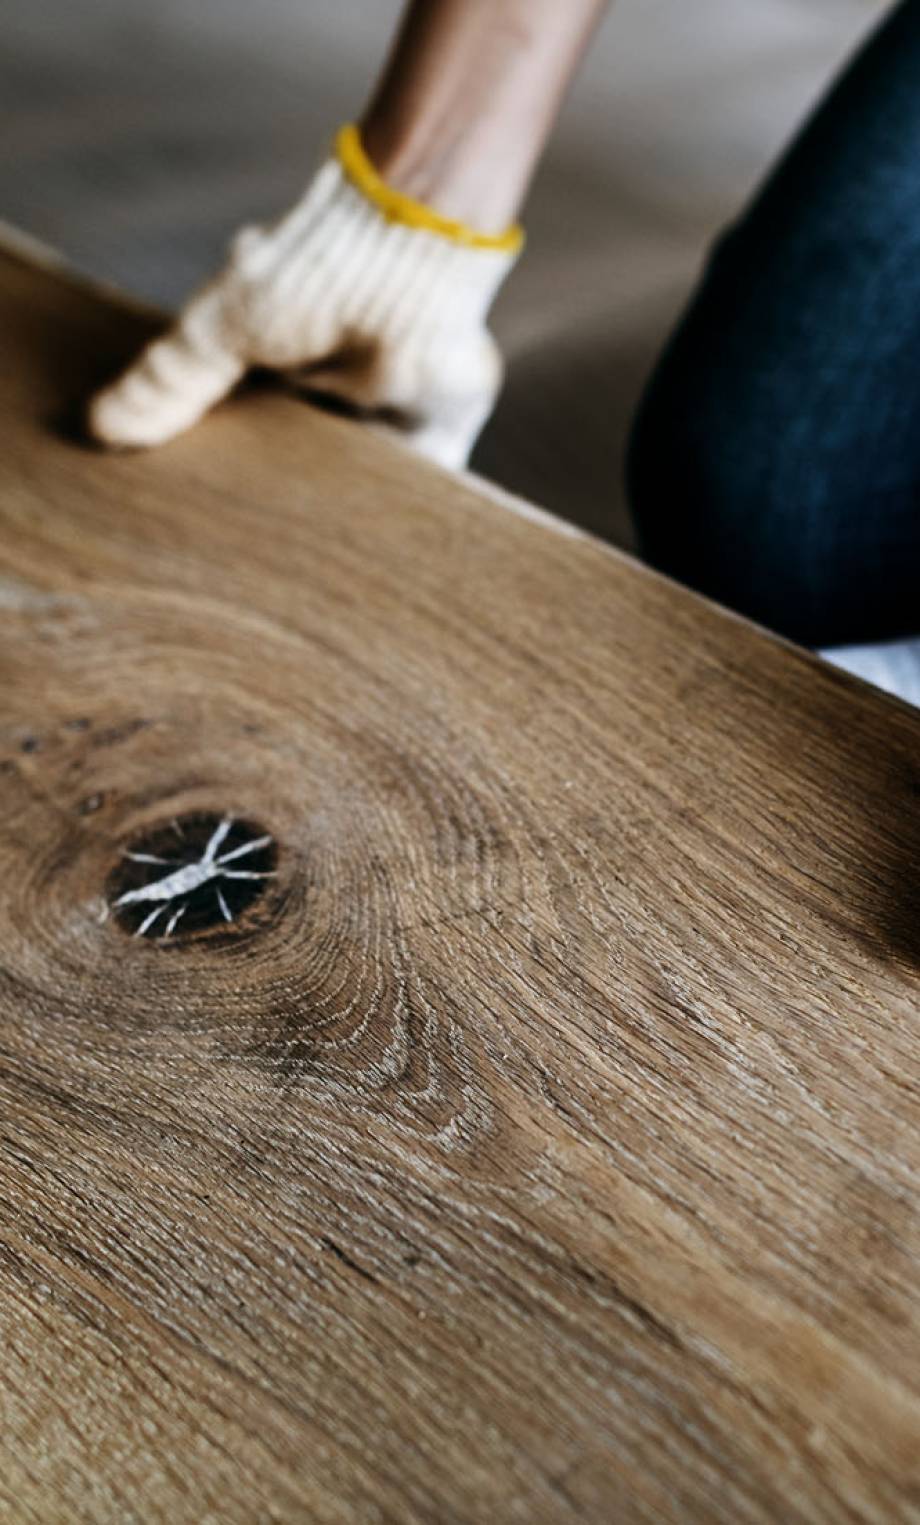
(540, 1142)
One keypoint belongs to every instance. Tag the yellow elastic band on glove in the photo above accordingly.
(414, 214)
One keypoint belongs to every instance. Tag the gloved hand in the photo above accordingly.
(357, 292)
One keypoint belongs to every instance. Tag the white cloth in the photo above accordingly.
(893, 666)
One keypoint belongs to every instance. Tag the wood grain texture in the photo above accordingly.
(542, 1144)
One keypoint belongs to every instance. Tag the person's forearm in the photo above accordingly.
(468, 98)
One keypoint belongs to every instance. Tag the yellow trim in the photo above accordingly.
(399, 208)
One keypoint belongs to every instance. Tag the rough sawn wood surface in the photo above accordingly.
(541, 1142)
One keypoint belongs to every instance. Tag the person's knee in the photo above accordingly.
(688, 480)
(702, 490)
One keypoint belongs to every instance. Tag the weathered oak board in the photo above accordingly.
(540, 1141)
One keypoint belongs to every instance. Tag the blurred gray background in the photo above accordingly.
(138, 133)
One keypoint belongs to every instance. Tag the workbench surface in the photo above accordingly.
(534, 1135)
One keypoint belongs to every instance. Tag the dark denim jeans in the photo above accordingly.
(775, 460)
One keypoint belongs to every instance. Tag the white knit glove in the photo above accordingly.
(357, 292)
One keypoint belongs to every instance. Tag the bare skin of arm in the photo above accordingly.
(468, 98)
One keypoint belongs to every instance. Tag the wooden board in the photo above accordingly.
(540, 1142)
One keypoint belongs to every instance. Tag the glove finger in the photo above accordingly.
(447, 442)
(176, 379)
(410, 398)
(447, 428)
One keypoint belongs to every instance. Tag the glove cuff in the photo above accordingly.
(336, 251)
(397, 207)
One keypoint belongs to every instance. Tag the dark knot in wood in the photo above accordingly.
(189, 874)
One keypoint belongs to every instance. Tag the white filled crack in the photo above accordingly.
(171, 893)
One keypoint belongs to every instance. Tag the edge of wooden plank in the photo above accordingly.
(24, 248)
